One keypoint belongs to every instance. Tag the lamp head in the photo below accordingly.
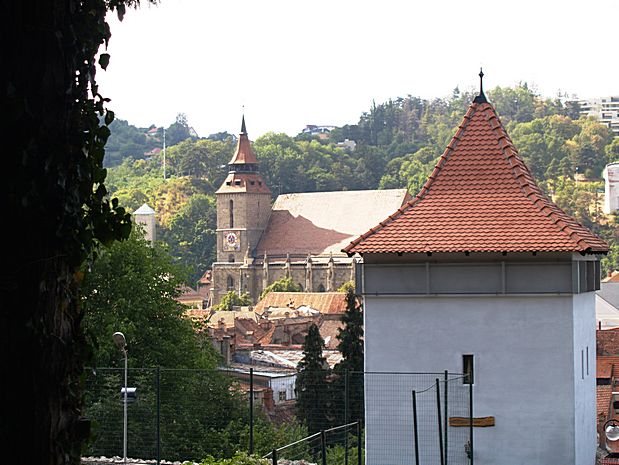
(120, 341)
(611, 429)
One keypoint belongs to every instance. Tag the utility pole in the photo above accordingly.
(164, 155)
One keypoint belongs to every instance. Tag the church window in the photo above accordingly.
(282, 395)
(231, 213)
(230, 283)
(321, 288)
(468, 369)
(230, 258)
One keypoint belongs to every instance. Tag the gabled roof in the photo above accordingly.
(324, 222)
(481, 197)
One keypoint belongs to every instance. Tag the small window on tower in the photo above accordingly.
(230, 258)
(230, 283)
(231, 213)
(468, 369)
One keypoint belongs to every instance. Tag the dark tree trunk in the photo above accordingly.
(42, 349)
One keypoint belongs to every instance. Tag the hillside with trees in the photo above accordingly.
(398, 143)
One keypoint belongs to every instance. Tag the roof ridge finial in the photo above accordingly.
(481, 98)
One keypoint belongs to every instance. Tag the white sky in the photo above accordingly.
(293, 63)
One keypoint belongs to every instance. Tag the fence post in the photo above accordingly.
(323, 446)
(274, 456)
(415, 433)
(251, 411)
(346, 417)
(440, 427)
(158, 400)
(471, 420)
(446, 415)
(359, 448)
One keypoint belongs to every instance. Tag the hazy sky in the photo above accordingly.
(293, 63)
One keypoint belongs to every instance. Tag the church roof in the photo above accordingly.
(481, 197)
(244, 153)
(323, 222)
(243, 173)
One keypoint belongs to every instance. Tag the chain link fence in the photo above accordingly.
(192, 414)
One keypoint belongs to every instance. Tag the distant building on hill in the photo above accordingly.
(300, 236)
(611, 188)
(605, 109)
(145, 216)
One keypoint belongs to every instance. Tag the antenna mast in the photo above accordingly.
(164, 154)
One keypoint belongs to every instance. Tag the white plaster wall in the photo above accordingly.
(584, 378)
(283, 384)
(524, 370)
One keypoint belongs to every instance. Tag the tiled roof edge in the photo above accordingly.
(564, 222)
(426, 187)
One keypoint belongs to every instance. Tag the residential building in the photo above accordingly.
(604, 109)
(469, 277)
(300, 236)
(611, 188)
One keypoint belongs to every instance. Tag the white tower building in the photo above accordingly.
(145, 216)
(482, 273)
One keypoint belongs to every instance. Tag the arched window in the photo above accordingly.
(230, 283)
(321, 288)
(230, 258)
(231, 213)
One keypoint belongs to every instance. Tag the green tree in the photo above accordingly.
(282, 285)
(191, 234)
(231, 300)
(131, 288)
(350, 345)
(612, 151)
(311, 385)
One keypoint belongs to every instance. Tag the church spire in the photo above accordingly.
(243, 128)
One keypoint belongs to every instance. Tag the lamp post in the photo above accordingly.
(611, 430)
(121, 343)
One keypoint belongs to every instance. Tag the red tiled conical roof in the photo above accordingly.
(244, 154)
(481, 197)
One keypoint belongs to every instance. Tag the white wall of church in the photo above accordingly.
(524, 370)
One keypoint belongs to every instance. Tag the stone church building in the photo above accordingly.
(299, 236)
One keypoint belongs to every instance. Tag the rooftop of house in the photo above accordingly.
(324, 302)
(607, 341)
(323, 222)
(481, 197)
(144, 210)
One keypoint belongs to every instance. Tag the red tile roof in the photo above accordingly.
(607, 366)
(607, 341)
(481, 197)
(324, 302)
(604, 394)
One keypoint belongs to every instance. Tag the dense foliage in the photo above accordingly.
(231, 300)
(282, 285)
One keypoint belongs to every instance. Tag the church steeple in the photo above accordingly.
(243, 170)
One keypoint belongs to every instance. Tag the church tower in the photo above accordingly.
(243, 209)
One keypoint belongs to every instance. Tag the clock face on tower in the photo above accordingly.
(231, 241)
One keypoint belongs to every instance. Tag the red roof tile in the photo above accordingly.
(604, 394)
(607, 366)
(607, 341)
(481, 197)
(324, 302)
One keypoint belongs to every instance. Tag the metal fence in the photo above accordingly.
(190, 414)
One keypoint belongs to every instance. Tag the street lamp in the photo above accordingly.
(121, 343)
(611, 430)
